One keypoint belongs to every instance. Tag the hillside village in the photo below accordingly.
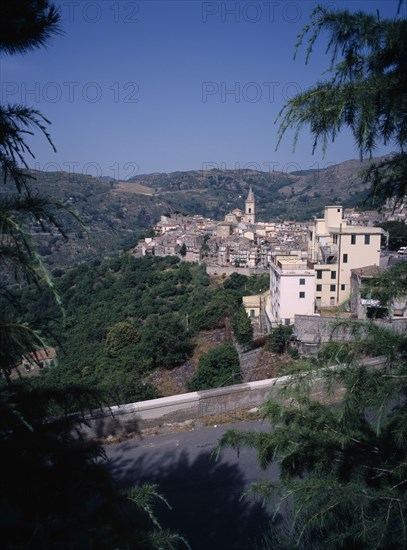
(314, 267)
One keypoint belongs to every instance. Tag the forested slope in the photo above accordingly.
(125, 317)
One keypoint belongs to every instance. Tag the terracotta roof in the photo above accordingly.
(42, 354)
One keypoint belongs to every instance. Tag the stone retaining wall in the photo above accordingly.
(228, 270)
(125, 419)
(311, 330)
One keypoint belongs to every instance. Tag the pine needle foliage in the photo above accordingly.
(364, 90)
(25, 25)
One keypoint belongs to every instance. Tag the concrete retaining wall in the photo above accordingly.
(130, 418)
(125, 419)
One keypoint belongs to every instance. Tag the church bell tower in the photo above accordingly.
(250, 207)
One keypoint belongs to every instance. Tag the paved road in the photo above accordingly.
(205, 494)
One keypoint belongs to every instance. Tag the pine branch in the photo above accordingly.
(27, 25)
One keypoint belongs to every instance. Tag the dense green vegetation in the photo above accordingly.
(125, 317)
(280, 337)
(242, 327)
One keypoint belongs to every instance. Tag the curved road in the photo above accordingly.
(205, 494)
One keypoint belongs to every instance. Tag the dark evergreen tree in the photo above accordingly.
(343, 469)
(280, 337)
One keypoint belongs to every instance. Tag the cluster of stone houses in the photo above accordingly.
(313, 266)
(238, 241)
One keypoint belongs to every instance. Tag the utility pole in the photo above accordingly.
(339, 264)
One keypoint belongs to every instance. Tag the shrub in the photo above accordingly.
(280, 337)
(219, 367)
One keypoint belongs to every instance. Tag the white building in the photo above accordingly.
(292, 288)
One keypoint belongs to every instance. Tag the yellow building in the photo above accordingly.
(336, 248)
(256, 305)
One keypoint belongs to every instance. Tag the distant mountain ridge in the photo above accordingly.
(281, 195)
(116, 212)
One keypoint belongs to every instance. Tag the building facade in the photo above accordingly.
(335, 248)
(292, 287)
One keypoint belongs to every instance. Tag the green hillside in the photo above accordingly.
(125, 318)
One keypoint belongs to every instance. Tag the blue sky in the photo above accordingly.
(135, 87)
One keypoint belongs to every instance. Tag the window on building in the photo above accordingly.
(287, 321)
(332, 288)
(319, 273)
(333, 274)
(319, 288)
(302, 294)
(345, 259)
(367, 239)
(252, 312)
(335, 239)
(331, 301)
(302, 281)
(318, 301)
(353, 239)
(342, 287)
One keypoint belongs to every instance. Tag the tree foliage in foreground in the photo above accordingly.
(365, 91)
(25, 26)
(343, 469)
(56, 491)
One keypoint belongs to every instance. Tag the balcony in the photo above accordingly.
(328, 253)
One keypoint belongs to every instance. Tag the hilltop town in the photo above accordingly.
(322, 257)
